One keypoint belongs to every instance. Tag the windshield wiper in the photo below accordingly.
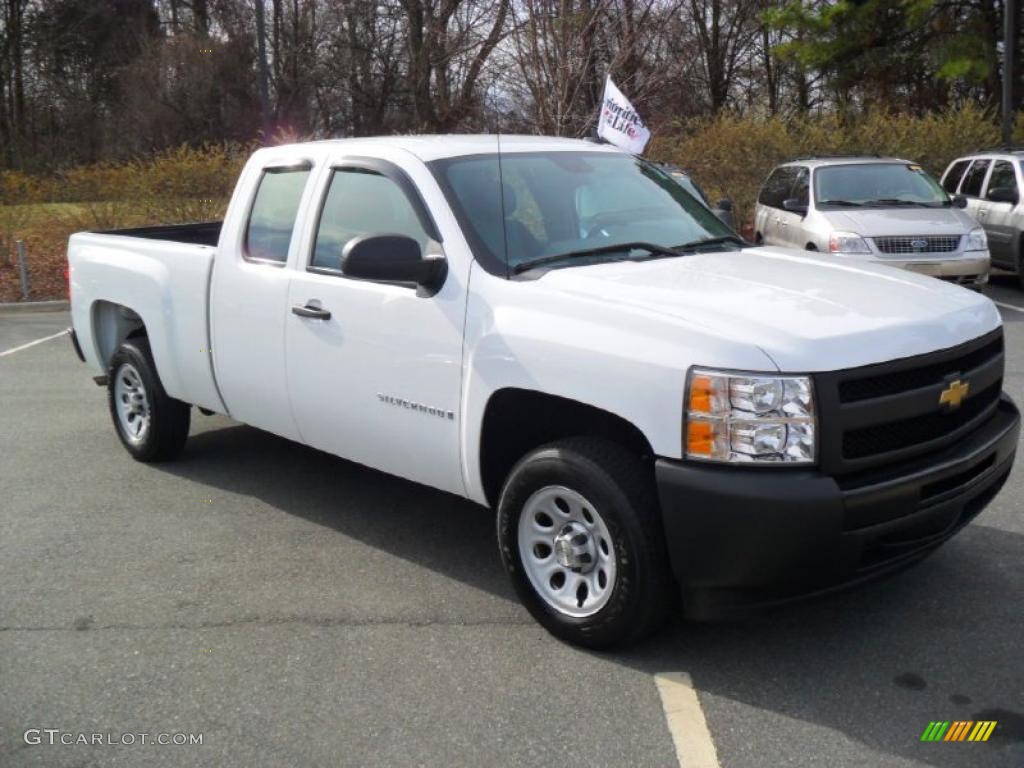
(896, 201)
(711, 241)
(651, 248)
(849, 203)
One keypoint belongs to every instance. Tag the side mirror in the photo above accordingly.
(725, 204)
(959, 201)
(393, 259)
(793, 205)
(1003, 195)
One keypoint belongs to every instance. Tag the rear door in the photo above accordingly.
(376, 378)
(997, 216)
(954, 175)
(249, 297)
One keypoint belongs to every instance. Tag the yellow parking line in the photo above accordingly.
(686, 723)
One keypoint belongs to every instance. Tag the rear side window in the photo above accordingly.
(268, 233)
(952, 178)
(362, 202)
(975, 176)
(1002, 177)
(777, 188)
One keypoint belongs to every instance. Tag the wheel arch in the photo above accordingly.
(516, 420)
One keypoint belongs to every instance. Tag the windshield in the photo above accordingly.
(876, 184)
(538, 205)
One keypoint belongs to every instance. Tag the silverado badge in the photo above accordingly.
(954, 394)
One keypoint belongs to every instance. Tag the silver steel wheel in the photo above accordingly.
(132, 404)
(566, 551)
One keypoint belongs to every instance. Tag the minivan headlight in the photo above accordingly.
(749, 417)
(847, 242)
(977, 240)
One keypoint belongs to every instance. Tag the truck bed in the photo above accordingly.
(201, 233)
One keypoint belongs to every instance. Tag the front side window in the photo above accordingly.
(1002, 177)
(952, 178)
(536, 205)
(268, 232)
(876, 184)
(362, 202)
(974, 178)
(778, 186)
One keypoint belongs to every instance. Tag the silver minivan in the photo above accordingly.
(878, 209)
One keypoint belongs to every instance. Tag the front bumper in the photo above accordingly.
(745, 538)
(968, 270)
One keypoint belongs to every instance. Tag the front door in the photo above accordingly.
(374, 371)
(997, 216)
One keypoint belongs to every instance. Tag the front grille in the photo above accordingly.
(916, 244)
(873, 416)
(854, 390)
(896, 435)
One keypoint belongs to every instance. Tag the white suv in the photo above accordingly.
(874, 209)
(990, 181)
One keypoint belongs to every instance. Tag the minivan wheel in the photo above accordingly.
(1020, 264)
(152, 425)
(581, 539)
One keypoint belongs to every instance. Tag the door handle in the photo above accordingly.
(309, 310)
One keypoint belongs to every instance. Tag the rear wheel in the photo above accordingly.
(1020, 263)
(581, 538)
(152, 425)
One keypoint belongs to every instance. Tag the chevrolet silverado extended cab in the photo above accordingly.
(659, 413)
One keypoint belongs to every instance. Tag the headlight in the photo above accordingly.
(743, 417)
(976, 240)
(847, 242)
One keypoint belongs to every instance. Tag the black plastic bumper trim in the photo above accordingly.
(739, 539)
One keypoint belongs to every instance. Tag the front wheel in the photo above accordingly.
(581, 538)
(152, 425)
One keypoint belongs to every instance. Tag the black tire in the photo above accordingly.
(810, 247)
(168, 418)
(621, 489)
(1020, 263)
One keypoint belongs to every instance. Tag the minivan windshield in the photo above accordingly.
(568, 208)
(877, 185)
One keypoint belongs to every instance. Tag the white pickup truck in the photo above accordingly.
(658, 412)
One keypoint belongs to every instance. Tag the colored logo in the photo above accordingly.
(954, 394)
(959, 730)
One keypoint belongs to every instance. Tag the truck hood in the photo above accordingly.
(806, 312)
(877, 222)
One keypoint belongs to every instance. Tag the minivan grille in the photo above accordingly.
(914, 244)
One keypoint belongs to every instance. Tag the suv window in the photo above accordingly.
(268, 233)
(952, 178)
(362, 202)
(1002, 177)
(975, 176)
(777, 187)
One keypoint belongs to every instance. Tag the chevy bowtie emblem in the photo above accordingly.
(954, 394)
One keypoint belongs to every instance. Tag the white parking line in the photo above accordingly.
(1008, 306)
(686, 723)
(31, 344)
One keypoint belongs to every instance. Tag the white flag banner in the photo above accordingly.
(619, 124)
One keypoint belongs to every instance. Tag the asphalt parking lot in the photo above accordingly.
(299, 610)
